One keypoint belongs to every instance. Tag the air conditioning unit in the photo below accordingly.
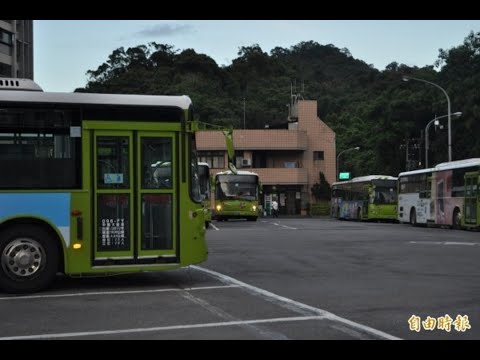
(246, 162)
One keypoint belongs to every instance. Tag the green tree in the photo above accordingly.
(322, 189)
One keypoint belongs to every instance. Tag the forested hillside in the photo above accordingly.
(366, 107)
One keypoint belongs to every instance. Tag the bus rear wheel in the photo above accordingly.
(29, 259)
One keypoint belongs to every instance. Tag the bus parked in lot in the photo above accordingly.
(415, 204)
(365, 198)
(95, 184)
(446, 195)
(455, 193)
(236, 195)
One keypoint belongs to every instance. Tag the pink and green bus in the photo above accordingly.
(445, 195)
(455, 193)
(95, 184)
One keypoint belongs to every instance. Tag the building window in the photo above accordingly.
(214, 159)
(5, 70)
(6, 37)
(318, 155)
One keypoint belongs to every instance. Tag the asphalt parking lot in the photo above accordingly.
(275, 279)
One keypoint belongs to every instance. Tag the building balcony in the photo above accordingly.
(281, 176)
(269, 139)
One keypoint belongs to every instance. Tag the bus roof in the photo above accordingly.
(239, 172)
(182, 101)
(203, 164)
(458, 164)
(372, 177)
(414, 172)
(365, 179)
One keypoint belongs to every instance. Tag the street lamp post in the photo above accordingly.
(406, 78)
(426, 133)
(244, 113)
(338, 157)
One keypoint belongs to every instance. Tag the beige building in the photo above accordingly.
(16, 49)
(287, 160)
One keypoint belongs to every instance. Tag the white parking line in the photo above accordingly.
(225, 316)
(443, 243)
(216, 228)
(295, 305)
(127, 292)
(285, 226)
(160, 328)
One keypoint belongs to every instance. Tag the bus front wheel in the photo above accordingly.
(29, 259)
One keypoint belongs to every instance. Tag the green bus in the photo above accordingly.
(204, 173)
(365, 198)
(95, 184)
(236, 195)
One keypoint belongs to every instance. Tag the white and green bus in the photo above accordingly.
(236, 195)
(95, 184)
(415, 203)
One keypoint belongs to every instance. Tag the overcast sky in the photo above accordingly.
(65, 49)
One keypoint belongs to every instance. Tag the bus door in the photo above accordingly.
(472, 207)
(430, 207)
(135, 197)
(366, 196)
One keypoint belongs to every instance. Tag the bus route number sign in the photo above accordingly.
(344, 176)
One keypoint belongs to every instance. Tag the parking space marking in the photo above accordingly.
(216, 228)
(264, 333)
(295, 305)
(161, 328)
(285, 226)
(444, 243)
(125, 292)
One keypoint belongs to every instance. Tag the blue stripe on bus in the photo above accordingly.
(54, 207)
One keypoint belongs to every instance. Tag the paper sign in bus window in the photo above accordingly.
(113, 178)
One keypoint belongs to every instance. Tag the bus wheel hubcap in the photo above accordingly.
(23, 257)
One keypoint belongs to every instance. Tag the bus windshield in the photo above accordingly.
(239, 187)
(385, 195)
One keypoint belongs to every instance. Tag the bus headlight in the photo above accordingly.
(219, 207)
(254, 208)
